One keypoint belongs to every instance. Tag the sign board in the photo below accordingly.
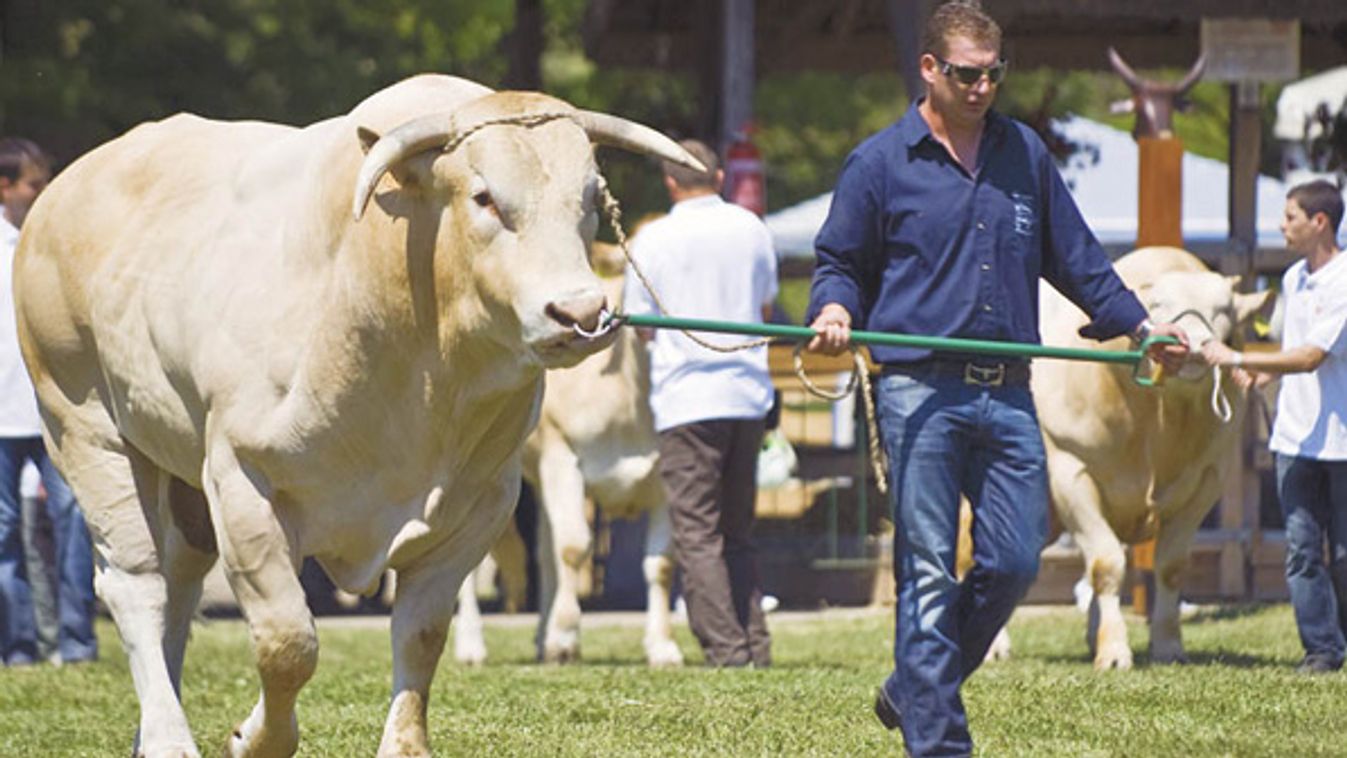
(1251, 49)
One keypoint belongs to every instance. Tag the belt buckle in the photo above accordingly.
(984, 376)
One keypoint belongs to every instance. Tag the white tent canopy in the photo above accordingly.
(1298, 101)
(1103, 180)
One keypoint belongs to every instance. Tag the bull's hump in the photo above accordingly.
(413, 97)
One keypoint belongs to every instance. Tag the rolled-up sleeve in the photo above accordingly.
(846, 241)
(1076, 264)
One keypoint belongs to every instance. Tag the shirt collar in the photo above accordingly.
(699, 201)
(1333, 264)
(913, 129)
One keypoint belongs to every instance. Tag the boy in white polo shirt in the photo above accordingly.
(1309, 437)
(24, 172)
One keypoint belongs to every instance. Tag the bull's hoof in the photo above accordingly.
(662, 654)
(1168, 655)
(169, 751)
(240, 746)
(470, 653)
(1113, 659)
(1000, 648)
(560, 654)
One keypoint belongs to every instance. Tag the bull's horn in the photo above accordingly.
(629, 135)
(1194, 74)
(1124, 70)
(424, 133)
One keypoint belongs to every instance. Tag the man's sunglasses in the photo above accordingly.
(970, 75)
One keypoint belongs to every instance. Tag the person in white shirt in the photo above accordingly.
(1309, 437)
(713, 260)
(24, 172)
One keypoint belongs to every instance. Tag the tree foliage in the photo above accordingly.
(78, 72)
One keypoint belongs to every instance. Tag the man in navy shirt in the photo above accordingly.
(942, 224)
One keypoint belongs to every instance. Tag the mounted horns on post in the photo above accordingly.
(1154, 103)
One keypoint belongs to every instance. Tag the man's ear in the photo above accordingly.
(927, 67)
(1318, 219)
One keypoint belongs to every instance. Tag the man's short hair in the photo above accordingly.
(688, 178)
(16, 152)
(1319, 196)
(959, 18)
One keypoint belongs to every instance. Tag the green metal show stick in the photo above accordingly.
(941, 344)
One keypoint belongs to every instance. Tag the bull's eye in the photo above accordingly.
(483, 199)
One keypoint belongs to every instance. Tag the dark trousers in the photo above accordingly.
(709, 469)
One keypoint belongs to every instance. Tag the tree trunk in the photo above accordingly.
(526, 46)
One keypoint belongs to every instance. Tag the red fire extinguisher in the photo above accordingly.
(745, 182)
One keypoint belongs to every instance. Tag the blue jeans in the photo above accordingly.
(1313, 498)
(944, 437)
(74, 561)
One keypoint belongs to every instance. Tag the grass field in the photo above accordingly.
(1239, 696)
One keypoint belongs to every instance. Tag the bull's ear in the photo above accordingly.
(1246, 305)
(367, 138)
(606, 259)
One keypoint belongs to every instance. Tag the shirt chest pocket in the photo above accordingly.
(1024, 215)
(922, 235)
(1016, 223)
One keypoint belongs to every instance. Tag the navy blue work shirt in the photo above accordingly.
(914, 244)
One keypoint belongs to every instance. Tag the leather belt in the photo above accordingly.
(980, 373)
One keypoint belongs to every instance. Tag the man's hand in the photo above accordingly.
(1170, 356)
(833, 325)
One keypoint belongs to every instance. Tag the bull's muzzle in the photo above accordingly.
(582, 312)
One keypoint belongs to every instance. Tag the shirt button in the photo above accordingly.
(981, 225)
(987, 308)
(986, 267)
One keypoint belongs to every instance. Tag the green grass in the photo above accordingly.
(1239, 697)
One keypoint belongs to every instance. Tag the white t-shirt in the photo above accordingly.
(707, 259)
(18, 403)
(1312, 406)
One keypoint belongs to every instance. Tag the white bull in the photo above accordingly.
(1127, 463)
(227, 360)
(595, 438)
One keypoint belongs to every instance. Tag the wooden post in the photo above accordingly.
(1241, 493)
(737, 75)
(1160, 191)
(1159, 222)
(906, 19)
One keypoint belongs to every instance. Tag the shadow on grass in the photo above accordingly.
(1142, 660)
(623, 662)
(1229, 659)
(1227, 612)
